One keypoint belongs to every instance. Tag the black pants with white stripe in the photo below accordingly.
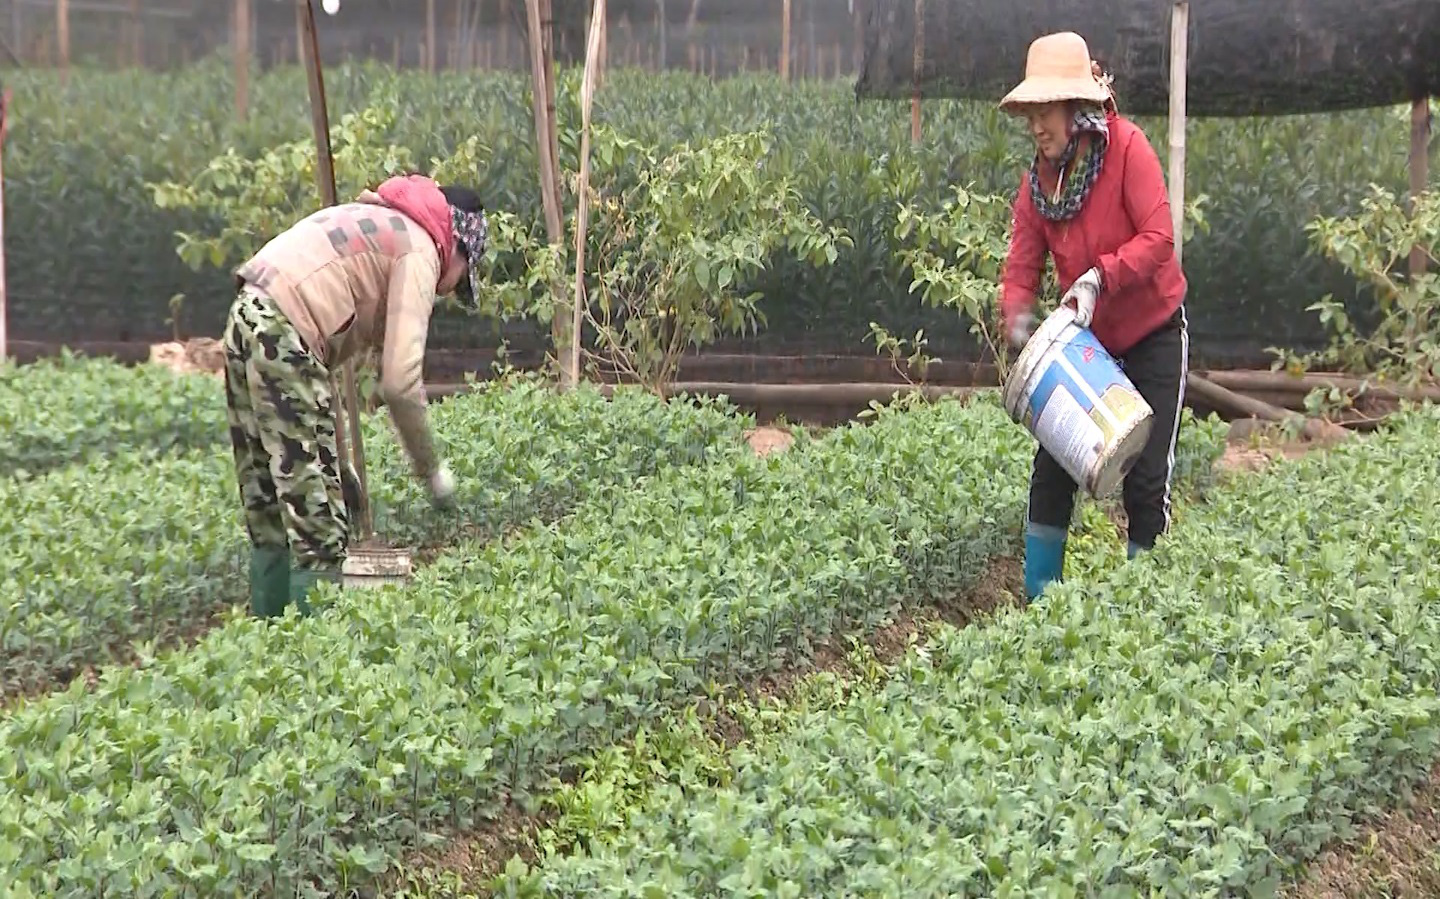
(1156, 366)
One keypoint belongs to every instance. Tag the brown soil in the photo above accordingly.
(1253, 445)
(476, 858)
(1396, 855)
(199, 355)
(766, 440)
(186, 634)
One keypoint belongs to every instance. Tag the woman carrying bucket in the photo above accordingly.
(1094, 198)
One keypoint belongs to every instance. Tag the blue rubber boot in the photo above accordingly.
(1044, 558)
(1132, 550)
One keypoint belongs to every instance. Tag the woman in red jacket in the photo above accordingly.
(1095, 199)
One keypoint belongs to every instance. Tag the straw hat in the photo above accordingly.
(1058, 68)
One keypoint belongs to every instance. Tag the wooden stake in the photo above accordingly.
(1179, 67)
(919, 71)
(431, 56)
(1419, 168)
(858, 55)
(137, 35)
(348, 439)
(62, 30)
(17, 30)
(785, 42)
(545, 149)
(242, 58)
(4, 312)
(588, 85)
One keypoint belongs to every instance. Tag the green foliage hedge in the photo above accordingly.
(92, 257)
(1195, 723)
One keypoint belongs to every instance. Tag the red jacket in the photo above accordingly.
(1123, 228)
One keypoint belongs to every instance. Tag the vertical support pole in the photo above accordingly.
(588, 85)
(785, 41)
(431, 54)
(1179, 66)
(915, 133)
(17, 28)
(137, 35)
(857, 10)
(62, 30)
(1419, 168)
(241, 48)
(542, 92)
(4, 308)
(348, 439)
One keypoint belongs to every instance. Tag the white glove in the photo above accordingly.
(1082, 295)
(1021, 328)
(442, 485)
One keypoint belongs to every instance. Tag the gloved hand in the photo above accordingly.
(1020, 329)
(442, 486)
(1082, 295)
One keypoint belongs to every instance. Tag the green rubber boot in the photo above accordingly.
(302, 580)
(269, 580)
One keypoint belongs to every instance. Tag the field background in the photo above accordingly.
(91, 257)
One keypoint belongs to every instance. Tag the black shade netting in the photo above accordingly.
(1246, 57)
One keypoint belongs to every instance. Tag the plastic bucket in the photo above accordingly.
(1072, 395)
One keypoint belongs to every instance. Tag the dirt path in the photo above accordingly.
(1396, 855)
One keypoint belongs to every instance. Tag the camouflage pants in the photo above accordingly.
(282, 429)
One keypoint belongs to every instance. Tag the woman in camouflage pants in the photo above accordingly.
(355, 275)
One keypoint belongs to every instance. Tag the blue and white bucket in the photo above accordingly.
(1072, 395)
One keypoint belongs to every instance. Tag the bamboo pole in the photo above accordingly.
(545, 143)
(785, 41)
(62, 31)
(348, 439)
(241, 49)
(431, 56)
(1236, 405)
(1179, 73)
(918, 72)
(1279, 382)
(582, 220)
(17, 31)
(858, 54)
(1419, 168)
(137, 35)
(4, 311)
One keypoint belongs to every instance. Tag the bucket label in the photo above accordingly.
(1069, 434)
(1080, 406)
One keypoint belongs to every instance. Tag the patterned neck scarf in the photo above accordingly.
(1082, 174)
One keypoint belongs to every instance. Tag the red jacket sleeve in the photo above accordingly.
(1025, 260)
(1148, 204)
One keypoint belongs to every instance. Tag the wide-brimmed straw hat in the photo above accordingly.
(1058, 68)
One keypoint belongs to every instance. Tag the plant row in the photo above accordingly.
(69, 408)
(150, 547)
(302, 757)
(1195, 723)
(103, 139)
